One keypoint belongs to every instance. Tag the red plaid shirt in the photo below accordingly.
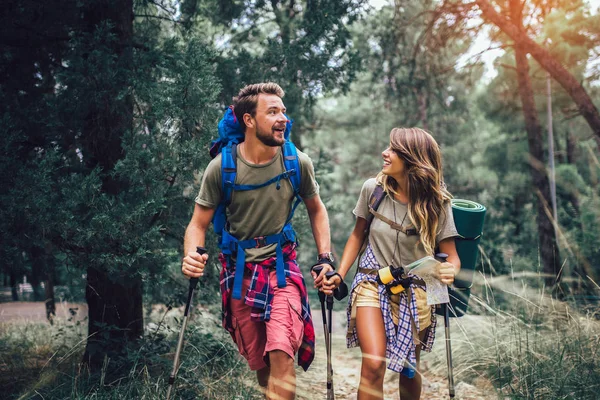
(260, 296)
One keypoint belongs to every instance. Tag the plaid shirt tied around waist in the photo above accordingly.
(400, 342)
(260, 295)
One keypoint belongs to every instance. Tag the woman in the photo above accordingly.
(413, 220)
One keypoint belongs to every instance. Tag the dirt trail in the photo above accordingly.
(26, 311)
(346, 369)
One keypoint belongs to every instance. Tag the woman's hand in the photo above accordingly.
(329, 285)
(446, 273)
(319, 277)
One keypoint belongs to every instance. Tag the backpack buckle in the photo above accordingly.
(261, 241)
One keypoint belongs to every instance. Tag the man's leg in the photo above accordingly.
(282, 377)
(284, 337)
(262, 376)
(250, 337)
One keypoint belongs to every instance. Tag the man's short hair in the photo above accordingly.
(247, 99)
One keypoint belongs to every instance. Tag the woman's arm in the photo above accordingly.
(448, 270)
(353, 246)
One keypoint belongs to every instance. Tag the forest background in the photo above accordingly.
(108, 109)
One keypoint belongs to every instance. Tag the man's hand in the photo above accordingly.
(193, 264)
(445, 272)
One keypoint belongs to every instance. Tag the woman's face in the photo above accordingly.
(393, 165)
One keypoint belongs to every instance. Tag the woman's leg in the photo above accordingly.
(371, 336)
(410, 389)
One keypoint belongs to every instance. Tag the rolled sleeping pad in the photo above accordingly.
(468, 219)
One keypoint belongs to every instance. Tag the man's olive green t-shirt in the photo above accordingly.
(257, 212)
(392, 247)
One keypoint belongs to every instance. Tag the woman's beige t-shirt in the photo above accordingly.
(392, 247)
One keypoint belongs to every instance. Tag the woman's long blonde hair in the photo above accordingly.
(427, 194)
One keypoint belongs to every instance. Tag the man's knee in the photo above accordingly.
(282, 380)
(280, 361)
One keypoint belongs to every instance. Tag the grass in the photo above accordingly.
(526, 344)
(42, 361)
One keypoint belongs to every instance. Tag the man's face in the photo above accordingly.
(270, 120)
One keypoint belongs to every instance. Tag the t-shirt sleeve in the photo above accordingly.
(210, 190)
(362, 205)
(308, 183)
(447, 229)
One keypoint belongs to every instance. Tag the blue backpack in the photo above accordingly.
(231, 135)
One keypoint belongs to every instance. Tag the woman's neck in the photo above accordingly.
(401, 189)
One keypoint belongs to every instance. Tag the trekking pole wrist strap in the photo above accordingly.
(324, 261)
(333, 273)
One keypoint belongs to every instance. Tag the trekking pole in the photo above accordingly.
(330, 392)
(327, 333)
(448, 350)
(193, 283)
(442, 257)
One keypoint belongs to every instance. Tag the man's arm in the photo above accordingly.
(195, 235)
(319, 221)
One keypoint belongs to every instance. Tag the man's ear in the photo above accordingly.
(248, 120)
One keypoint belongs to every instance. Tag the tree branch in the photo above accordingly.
(549, 63)
(157, 17)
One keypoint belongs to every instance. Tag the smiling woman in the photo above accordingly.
(413, 220)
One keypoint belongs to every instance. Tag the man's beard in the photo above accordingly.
(269, 139)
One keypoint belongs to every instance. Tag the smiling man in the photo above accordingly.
(271, 322)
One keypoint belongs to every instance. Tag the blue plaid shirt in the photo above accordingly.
(400, 343)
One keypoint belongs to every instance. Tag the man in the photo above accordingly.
(271, 322)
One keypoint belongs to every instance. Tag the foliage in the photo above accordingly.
(526, 344)
(44, 360)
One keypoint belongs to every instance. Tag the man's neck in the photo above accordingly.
(256, 152)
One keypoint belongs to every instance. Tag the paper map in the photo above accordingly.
(424, 268)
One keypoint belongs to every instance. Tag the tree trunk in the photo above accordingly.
(38, 261)
(115, 316)
(14, 289)
(571, 147)
(114, 299)
(49, 287)
(583, 101)
(423, 103)
(547, 238)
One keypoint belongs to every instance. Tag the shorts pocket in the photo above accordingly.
(297, 325)
(239, 339)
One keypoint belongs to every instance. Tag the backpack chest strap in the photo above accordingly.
(408, 231)
(277, 179)
(231, 246)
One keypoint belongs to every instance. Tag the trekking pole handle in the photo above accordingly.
(441, 257)
(317, 270)
(194, 281)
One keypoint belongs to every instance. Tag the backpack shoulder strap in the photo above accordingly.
(228, 171)
(292, 165)
(374, 202)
